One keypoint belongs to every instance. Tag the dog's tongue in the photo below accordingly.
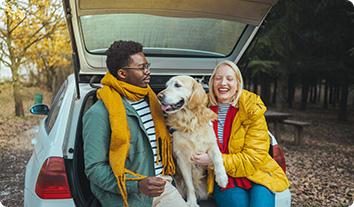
(165, 107)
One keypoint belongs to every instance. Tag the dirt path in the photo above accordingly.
(16, 148)
(321, 170)
(15, 143)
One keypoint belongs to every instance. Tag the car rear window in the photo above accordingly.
(160, 35)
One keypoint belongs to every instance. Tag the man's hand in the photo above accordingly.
(152, 186)
(202, 159)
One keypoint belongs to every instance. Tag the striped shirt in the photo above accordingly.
(143, 110)
(222, 111)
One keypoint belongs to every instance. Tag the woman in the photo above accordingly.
(242, 134)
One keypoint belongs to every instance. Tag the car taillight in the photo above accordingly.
(52, 181)
(278, 156)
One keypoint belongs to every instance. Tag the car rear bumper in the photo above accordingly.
(31, 200)
(283, 199)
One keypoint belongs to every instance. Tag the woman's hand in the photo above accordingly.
(201, 159)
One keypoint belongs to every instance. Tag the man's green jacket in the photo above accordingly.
(96, 137)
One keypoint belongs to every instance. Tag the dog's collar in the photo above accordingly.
(171, 130)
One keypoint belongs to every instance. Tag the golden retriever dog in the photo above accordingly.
(185, 103)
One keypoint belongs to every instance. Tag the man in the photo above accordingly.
(127, 148)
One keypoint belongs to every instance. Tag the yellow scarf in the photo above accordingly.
(111, 94)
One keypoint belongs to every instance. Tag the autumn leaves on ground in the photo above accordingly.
(321, 170)
(15, 143)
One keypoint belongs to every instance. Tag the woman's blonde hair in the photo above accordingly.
(233, 66)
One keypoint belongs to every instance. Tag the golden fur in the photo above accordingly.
(193, 134)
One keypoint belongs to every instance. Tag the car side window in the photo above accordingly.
(55, 107)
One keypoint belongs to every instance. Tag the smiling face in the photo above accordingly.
(225, 84)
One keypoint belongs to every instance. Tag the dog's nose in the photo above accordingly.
(160, 96)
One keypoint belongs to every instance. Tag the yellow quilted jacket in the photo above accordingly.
(249, 145)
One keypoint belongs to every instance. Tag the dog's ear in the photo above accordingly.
(198, 97)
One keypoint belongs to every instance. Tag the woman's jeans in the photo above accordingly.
(257, 196)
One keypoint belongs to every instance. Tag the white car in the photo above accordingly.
(179, 37)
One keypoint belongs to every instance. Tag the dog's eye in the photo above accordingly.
(177, 85)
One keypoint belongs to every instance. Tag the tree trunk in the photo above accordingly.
(315, 92)
(342, 113)
(49, 77)
(318, 100)
(291, 91)
(334, 95)
(325, 98)
(16, 89)
(57, 80)
(265, 90)
(338, 91)
(61, 75)
(304, 95)
(16, 86)
(281, 101)
(18, 101)
(311, 93)
(255, 85)
(331, 90)
(274, 98)
(245, 82)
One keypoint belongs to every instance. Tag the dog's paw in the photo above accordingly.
(192, 204)
(221, 179)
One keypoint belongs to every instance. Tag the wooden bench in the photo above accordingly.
(299, 127)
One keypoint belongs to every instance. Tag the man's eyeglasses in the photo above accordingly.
(143, 67)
